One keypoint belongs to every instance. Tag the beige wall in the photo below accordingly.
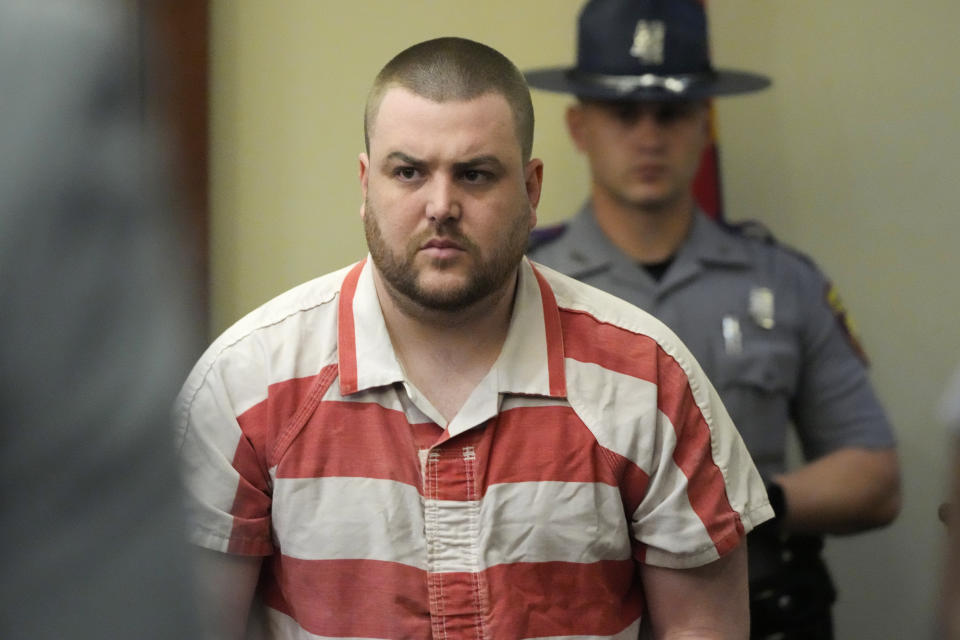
(847, 157)
(289, 82)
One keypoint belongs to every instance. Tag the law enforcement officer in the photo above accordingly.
(764, 322)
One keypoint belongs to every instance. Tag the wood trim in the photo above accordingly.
(175, 36)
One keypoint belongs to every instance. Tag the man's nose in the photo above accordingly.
(646, 128)
(443, 200)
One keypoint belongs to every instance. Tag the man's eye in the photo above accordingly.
(666, 115)
(475, 176)
(673, 113)
(626, 113)
(406, 173)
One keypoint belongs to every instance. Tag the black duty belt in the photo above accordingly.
(791, 592)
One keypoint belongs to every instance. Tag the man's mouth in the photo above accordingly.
(649, 170)
(441, 248)
(442, 244)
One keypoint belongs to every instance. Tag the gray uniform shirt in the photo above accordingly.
(757, 317)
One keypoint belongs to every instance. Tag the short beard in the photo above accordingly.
(486, 278)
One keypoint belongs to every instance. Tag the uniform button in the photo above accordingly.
(784, 602)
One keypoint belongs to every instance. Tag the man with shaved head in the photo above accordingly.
(444, 440)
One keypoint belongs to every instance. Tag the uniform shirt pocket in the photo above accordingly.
(757, 381)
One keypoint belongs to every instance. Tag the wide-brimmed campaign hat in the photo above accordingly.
(644, 50)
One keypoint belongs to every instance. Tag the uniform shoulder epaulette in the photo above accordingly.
(545, 235)
(756, 230)
(753, 229)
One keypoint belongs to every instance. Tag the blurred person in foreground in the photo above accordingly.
(93, 336)
(950, 513)
(443, 440)
(766, 325)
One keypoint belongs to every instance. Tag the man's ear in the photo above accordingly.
(364, 178)
(575, 124)
(707, 124)
(533, 179)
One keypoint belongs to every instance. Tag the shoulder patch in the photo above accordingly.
(545, 235)
(844, 320)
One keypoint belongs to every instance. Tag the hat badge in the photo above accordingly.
(648, 41)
